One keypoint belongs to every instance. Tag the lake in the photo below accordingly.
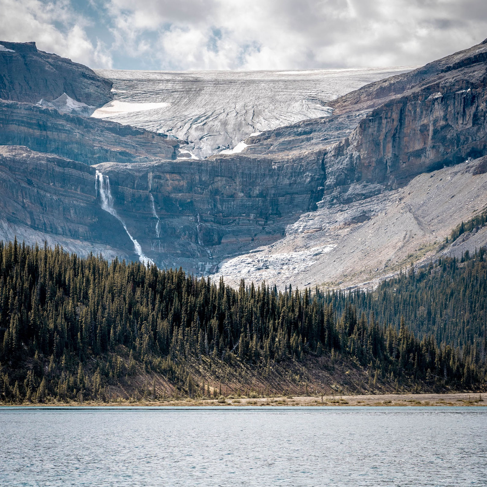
(243, 447)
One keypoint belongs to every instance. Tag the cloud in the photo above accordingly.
(302, 34)
(250, 34)
(55, 27)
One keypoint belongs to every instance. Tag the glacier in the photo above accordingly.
(215, 111)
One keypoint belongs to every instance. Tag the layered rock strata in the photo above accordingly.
(195, 213)
(47, 197)
(81, 139)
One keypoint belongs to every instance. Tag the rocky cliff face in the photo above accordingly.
(29, 75)
(390, 131)
(81, 139)
(438, 122)
(393, 131)
(195, 213)
(47, 197)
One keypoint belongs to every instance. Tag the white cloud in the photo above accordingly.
(302, 34)
(249, 34)
(55, 27)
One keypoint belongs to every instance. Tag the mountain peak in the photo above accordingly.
(20, 46)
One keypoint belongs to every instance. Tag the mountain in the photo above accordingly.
(408, 168)
(29, 75)
(340, 200)
(394, 175)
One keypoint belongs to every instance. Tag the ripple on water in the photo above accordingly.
(298, 447)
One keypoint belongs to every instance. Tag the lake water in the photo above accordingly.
(244, 447)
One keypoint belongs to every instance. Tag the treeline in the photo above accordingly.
(447, 299)
(71, 326)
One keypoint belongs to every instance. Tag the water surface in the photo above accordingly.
(244, 447)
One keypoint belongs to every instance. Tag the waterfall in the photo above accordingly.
(102, 183)
(154, 213)
(198, 228)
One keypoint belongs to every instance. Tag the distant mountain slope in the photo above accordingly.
(378, 210)
(79, 138)
(29, 75)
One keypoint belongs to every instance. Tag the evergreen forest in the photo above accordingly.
(447, 299)
(74, 329)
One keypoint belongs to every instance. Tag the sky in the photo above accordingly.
(246, 34)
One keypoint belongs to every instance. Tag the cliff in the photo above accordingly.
(47, 197)
(438, 120)
(81, 139)
(380, 210)
(195, 213)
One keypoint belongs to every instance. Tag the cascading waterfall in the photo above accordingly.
(154, 213)
(198, 227)
(208, 251)
(102, 183)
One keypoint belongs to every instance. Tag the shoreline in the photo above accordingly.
(461, 399)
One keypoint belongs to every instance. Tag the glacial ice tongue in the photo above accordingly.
(102, 183)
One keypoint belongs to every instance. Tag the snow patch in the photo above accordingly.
(117, 107)
(66, 104)
(236, 150)
(190, 154)
(4, 49)
(435, 96)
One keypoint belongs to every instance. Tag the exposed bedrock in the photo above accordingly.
(352, 243)
(390, 131)
(439, 125)
(295, 193)
(195, 213)
(29, 75)
(81, 139)
(47, 197)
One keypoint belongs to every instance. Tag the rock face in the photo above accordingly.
(81, 139)
(195, 213)
(438, 121)
(29, 75)
(394, 130)
(363, 241)
(47, 197)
